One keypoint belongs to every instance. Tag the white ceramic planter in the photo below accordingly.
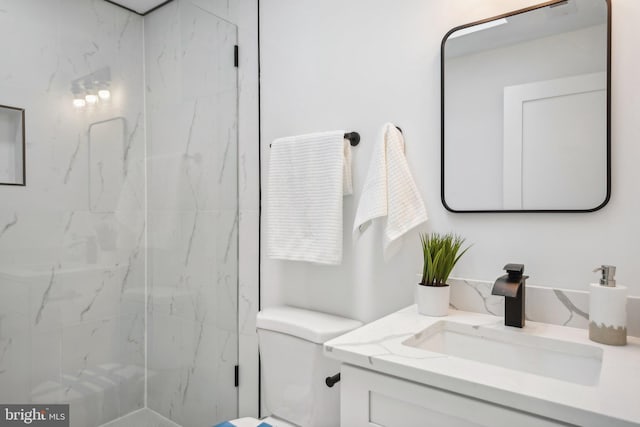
(433, 300)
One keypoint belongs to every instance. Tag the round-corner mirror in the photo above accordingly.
(526, 110)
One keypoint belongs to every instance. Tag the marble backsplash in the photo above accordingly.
(546, 305)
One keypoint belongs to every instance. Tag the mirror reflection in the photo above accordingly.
(525, 110)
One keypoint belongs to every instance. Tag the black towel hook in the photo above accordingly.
(353, 137)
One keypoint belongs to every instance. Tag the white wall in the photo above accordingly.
(358, 64)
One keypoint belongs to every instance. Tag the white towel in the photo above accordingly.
(347, 175)
(389, 190)
(308, 176)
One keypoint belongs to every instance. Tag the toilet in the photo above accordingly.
(294, 368)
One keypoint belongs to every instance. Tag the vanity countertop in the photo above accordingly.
(612, 399)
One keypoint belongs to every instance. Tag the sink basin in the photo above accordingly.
(510, 349)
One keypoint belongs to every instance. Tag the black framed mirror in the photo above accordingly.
(526, 108)
(12, 146)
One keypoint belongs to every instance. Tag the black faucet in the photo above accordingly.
(512, 287)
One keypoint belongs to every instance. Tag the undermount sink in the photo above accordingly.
(495, 345)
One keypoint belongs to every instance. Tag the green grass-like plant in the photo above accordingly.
(441, 253)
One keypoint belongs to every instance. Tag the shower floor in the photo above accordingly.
(142, 418)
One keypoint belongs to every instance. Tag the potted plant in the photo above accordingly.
(441, 253)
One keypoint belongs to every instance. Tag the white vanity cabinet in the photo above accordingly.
(468, 369)
(372, 399)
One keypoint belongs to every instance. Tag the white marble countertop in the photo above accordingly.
(612, 401)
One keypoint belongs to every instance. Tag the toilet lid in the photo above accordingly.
(306, 324)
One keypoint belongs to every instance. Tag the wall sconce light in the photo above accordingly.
(78, 96)
(89, 90)
(91, 99)
(104, 94)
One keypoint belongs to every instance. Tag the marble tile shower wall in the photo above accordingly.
(192, 214)
(71, 241)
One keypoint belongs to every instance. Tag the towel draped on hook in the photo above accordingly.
(390, 191)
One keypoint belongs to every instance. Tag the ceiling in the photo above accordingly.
(139, 6)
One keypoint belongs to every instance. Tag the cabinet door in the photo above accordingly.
(370, 399)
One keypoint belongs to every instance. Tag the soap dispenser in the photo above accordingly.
(608, 309)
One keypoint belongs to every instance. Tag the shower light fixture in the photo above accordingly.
(91, 99)
(89, 90)
(78, 96)
(104, 94)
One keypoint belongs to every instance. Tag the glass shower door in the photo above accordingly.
(192, 214)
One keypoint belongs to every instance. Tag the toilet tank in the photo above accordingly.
(294, 368)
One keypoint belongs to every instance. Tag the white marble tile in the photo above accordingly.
(45, 371)
(162, 48)
(193, 309)
(470, 295)
(202, 31)
(64, 267)
(156, 420)
(191, 370)
(138, 418)
(248, 297)
(106, 141)
(94, 380)
(193, 268)
(248, 395)
(248, 278)
(245, 14)
(546, 305)
(192, 131)
(75, 236)
(558, 307)
(131, 339)
(142, 418)
(15, 360)
(222, 8)
(191, 154)
(209, 396)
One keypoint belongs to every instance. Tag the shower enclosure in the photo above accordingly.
(119, 258)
